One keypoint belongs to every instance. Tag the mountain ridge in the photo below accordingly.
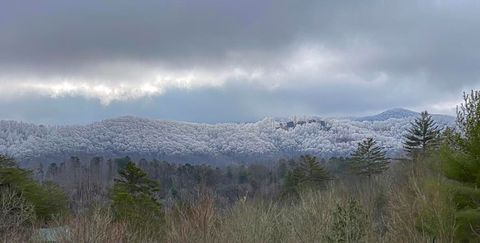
(179, 141)
(393, 113)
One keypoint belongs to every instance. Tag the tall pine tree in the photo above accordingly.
(461, 164)
(306, 175)
(133, 196)
(422, 135)
(369, 158)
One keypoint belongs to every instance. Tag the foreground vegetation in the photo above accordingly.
(431, 195)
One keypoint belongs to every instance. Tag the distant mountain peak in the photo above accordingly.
(399, 109)
(401, 112)
(395, 113)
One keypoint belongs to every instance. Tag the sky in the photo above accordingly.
(74, 62)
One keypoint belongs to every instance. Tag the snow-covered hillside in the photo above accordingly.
(194, 142)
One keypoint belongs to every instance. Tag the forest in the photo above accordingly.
(429, 194)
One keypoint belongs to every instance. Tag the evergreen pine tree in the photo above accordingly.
(133, 196)
(307, 174)
(47, 199)
(422, 135)
(461, 164)
(369, 158)
(310, 172)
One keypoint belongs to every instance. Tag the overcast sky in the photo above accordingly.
(67, 62)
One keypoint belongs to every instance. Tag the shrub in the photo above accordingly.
(349, 222)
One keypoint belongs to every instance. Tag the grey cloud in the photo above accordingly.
(189, 32)
(433, 36)
(171, 31)
(427, 48)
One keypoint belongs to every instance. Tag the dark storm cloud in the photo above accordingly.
(375, 54)
(429, 34)
(179, 32)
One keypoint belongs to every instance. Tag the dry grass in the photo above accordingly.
(197, 222)
(95, 226)
(310, 219)
(421, 210)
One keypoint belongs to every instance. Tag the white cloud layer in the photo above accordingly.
(109, 82)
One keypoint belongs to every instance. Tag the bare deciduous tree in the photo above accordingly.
(15, 212)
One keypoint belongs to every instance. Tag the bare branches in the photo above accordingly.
(15, 211)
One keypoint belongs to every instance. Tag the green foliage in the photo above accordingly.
(133, 197)
(461, 164)
(48, 199)
(349, 223)
(468, 220)
(422, 135)
(369, 158)
(306, 175)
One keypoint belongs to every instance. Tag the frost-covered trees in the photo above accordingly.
(194, 142)
(369, 158)
(422, 135)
